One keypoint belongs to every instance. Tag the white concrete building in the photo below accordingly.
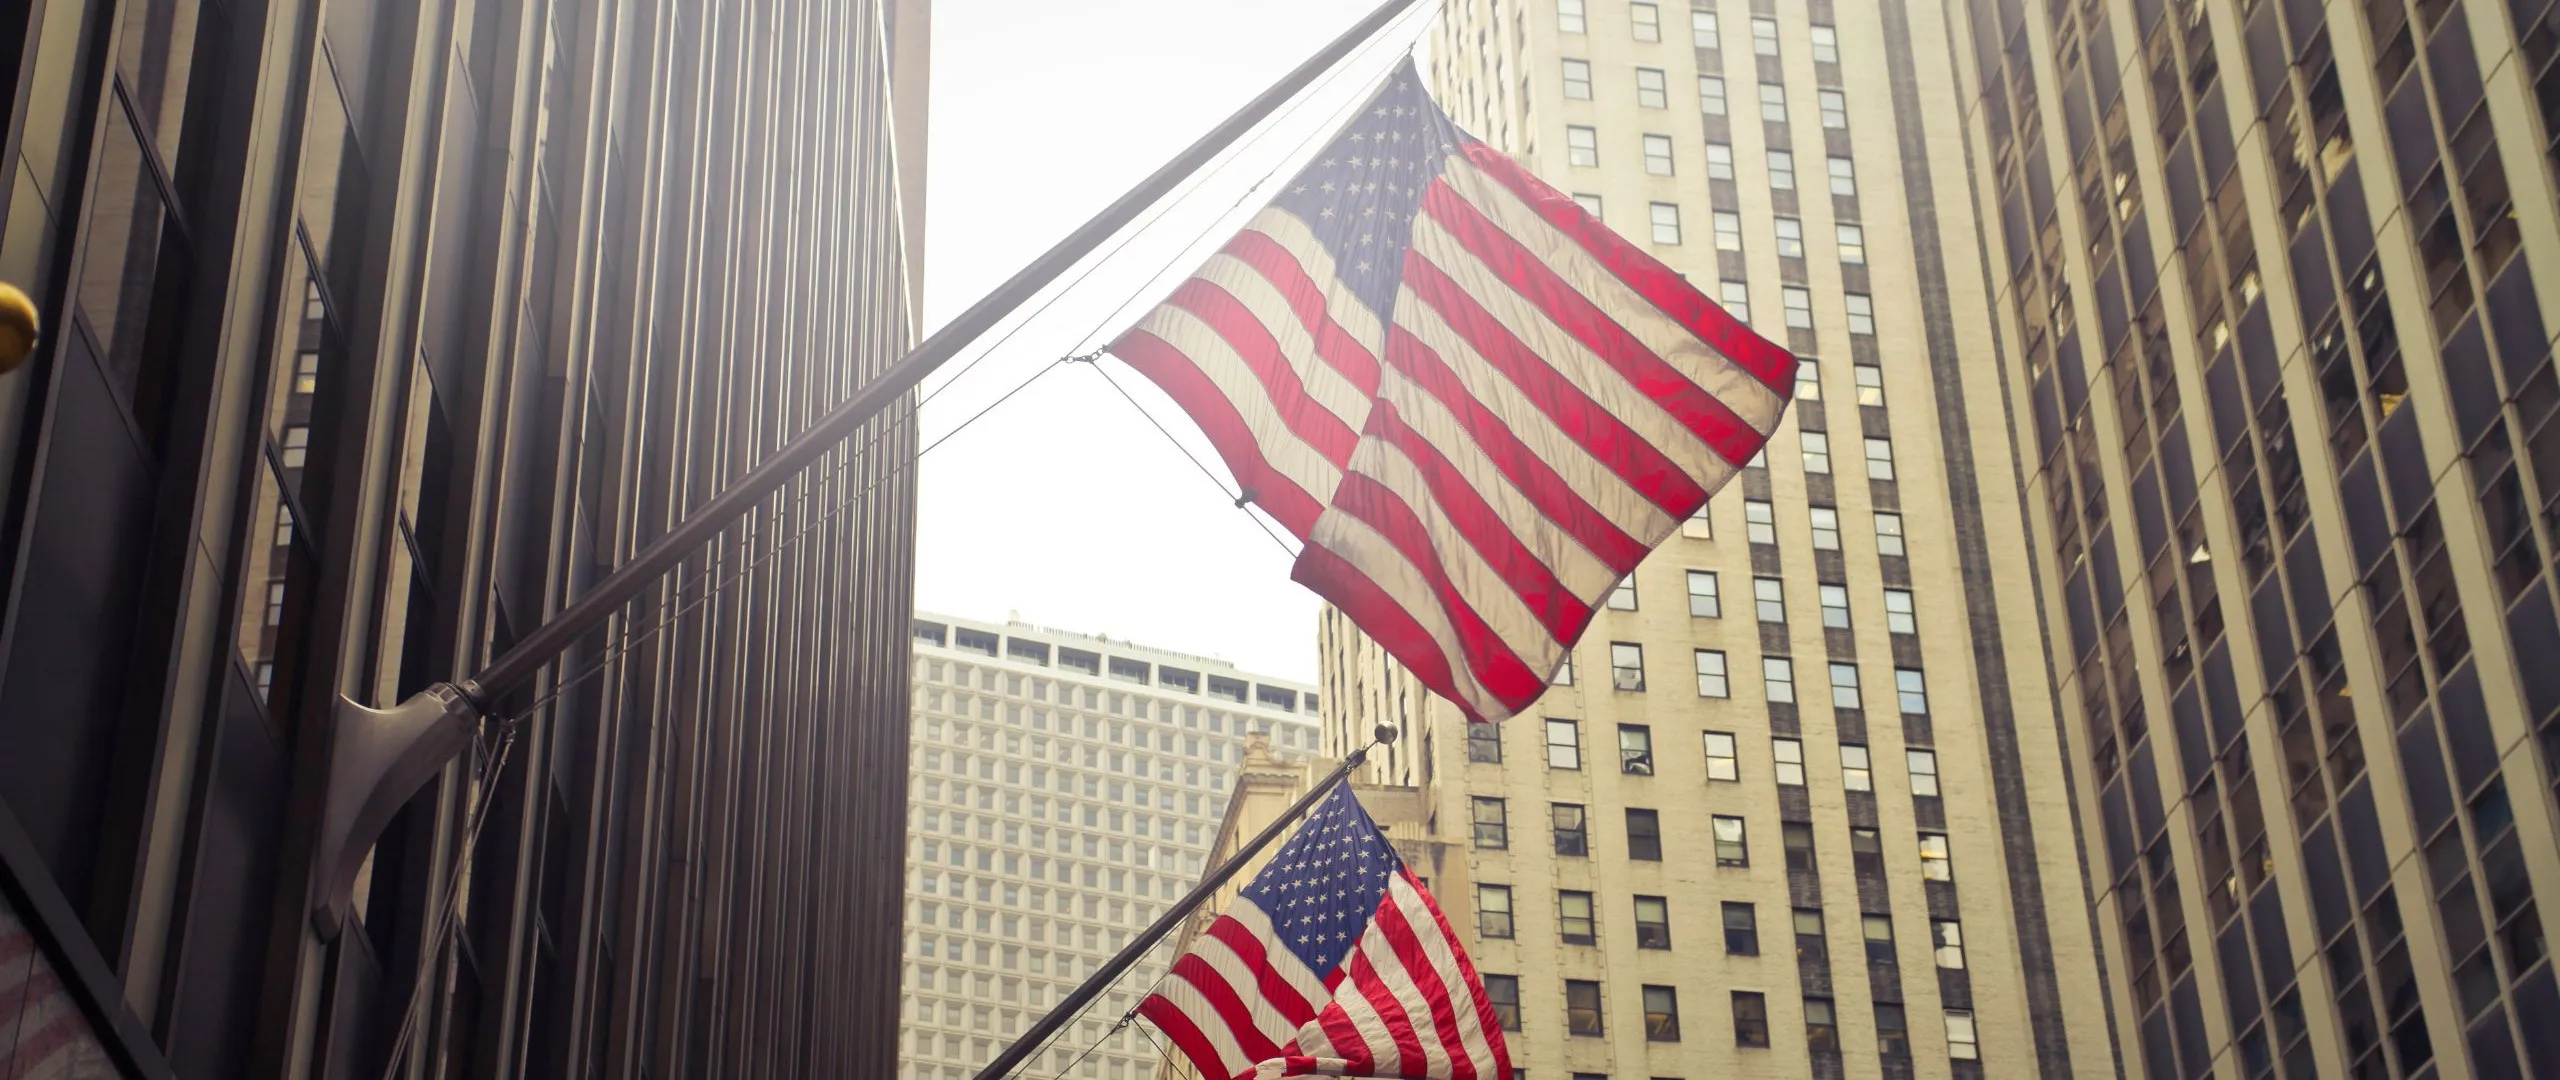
(1065, 789)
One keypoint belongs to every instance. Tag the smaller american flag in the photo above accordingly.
(1334, 962)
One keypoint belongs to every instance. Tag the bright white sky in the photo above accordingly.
(1065, 504)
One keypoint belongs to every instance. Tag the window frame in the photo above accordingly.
(1658, 149)
(1644, 844)
(1653, 933)
(1570, 749)
(1635, 750)
(1742, 939)
(1579, 833)
(1485, 925)
(1730, 757)
(1712, 684)
(1786, 758)
(1732, 850)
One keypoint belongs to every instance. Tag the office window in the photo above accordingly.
(1564, 673)
(1571, 832)
(1711, 674)
(1732, 847)
(1808, 380)
(1661, 1014)
(1666, 223)
(1759, 521)
(1844, 686)
(1810, 944)
(1797, 300)
(1797, 838)
(1722, 764)
(1835, 606)
(1635, 749)
(1702, 29)
(1564, 744)
(1493, 910)
(1711, 95)
(1582, 146)
(1866, 850)
(1750, 1020)
(1699, 526)
(1484, 743)
(1893, 1042)
(1622, 596)
(1789, 756)
(1782, 171)
(1577, 80)
(1947, 937)
(1817, 456)
(1912, 691)
(1590, 204)
(1900, 616)
(1651, 91)
(1653, 923)
(1889, 534)
(1646, 21)
(1704, 600)
(1581, 1007)
(1852, 242)
(1962, 1043)
(1790, 238)
(1764, 37)
(1826, 523)
(1719, 161)
(1574, 919)
(1835, 109)
(1924, 771)
(1492, 823)
(1741, 929)
(1728, 230)
(1826, 44)
(1878, 930)
(1879, 459)
(1778, 677)
(1626, 665)
(1657, 154)
(1569, 19)
(1644, 835)
(1773, 103)
(1934, 864)
(1503, 991)
(1855, 772)
(1821, 1026)
(1844, 177)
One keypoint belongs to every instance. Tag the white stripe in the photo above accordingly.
(1746, 395)
(1564, 554)
(1437, 946)
(1241, 980)
(1586, 475)
(1375, 558)
(1401, 986)
(1194, 1006)
(1287, 454)
(1562, 352)
(1477, 582)
(1372, 1027)
(1324, 384)
(1308, 984)
(1293, 236)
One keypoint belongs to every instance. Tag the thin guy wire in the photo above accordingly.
(1241, 502)
(430, 960)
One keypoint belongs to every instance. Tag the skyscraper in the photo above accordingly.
(1067, 788)
(1797, 807)
(2275, 285)
(376, 332)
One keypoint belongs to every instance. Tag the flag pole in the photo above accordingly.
(379, 758)
(1093, 986)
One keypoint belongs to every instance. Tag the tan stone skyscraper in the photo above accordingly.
(1800, 808)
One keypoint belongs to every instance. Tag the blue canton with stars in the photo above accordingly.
(1323, 888)
(1360, 194)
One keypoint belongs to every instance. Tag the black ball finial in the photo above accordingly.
(1385, 733)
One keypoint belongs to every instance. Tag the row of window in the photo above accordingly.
(1653, 92)
(1644, 23)
(929, 789)
(1706, 594)
(1570, 831)
(1578, 924)
(967, 676)
(1070, 658)
(1583, 1015)
(1635, 755)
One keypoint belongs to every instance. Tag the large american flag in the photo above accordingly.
(1475, 406)
(1333, 962)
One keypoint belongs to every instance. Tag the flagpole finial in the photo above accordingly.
(1385, 733)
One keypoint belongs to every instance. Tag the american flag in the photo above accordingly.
(1475, 406)
(1333, 962)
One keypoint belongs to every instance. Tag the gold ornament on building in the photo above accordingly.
(17, 327)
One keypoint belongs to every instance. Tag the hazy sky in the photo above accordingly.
(1064, 503)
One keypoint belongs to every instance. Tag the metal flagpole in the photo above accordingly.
(1112, 969)
(379, 758)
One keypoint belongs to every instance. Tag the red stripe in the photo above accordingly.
(1701, 412)
(1496, 665)
(1347, 1040)
(1384, 620)
(1294, 508)
(1371, 985)
(1545, 489)
(1475, 519)
(1588, 423)
(1253, 343)
(1336, 345)
(1659, 284)
(1283, 995)
(1485, 1018)
(1185, 1035)
(1425, 976)
(1222, 997)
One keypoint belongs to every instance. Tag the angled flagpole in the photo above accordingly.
(379, 758)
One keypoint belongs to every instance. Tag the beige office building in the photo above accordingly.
(1800, 806)
(1065, 789)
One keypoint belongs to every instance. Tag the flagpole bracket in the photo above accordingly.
(378, 759)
